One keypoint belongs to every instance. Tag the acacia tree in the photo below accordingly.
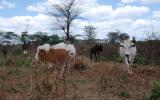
(123, 36)
(66, 13)
(90, 33)
(24, 36)
(113, 37)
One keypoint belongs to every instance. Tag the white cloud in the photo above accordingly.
(36, 9)
(156, 14)
(150, 1)
(5, 4)
(18, 23)
(128, 1)
(92, 10)
(99, 12)
(105, 12)
(142, 1)
(130, 11)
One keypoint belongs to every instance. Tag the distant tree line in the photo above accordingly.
(42, 37)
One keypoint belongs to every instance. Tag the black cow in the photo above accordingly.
(95, 51)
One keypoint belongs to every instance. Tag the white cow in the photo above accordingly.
(128, 51)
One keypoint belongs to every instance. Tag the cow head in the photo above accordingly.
(126, 47)
(100, 48)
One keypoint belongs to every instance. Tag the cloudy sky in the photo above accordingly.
(135, 17)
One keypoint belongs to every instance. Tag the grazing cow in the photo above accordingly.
(25, 48)
(69, 47)
(96, 51)
(128, 51)
(50, 56)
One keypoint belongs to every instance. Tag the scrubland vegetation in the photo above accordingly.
(106, 79)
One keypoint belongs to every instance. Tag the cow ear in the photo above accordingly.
(132, 44)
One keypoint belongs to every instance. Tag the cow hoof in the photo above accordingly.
(130, 73)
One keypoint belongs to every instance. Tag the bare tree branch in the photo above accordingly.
(152, 34)
(65, 15)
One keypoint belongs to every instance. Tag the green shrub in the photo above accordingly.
(24, 62)
(124, 94)
(115, 57)
(139, 60)
(16, 51)
(155, 91)
(54, 39)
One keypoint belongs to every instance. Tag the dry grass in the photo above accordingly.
(100, 81)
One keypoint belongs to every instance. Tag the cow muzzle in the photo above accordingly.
(128, 58)
(127, 55)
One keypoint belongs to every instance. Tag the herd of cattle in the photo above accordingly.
(64, 54)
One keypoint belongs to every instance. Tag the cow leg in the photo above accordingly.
(62, 71)
(91, 55)
(130, 71)
(131, 64)
(99, 58)
(50, 66)
(128, 68)
(69, 65)
(73, 63)
(132, 61)
(25, 52)
(127, 65)
(95, 55)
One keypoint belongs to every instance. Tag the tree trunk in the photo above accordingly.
(68, 27)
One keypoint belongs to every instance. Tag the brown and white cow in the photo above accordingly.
(51, 57)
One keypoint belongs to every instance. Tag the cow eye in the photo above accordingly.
(133, 45)
(121, 46)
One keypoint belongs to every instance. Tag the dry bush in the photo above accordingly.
(150, 51)
(46, 85)
(113, 82)
(116, 84)
(80, 64)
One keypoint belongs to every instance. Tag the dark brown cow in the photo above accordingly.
(25, 47)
